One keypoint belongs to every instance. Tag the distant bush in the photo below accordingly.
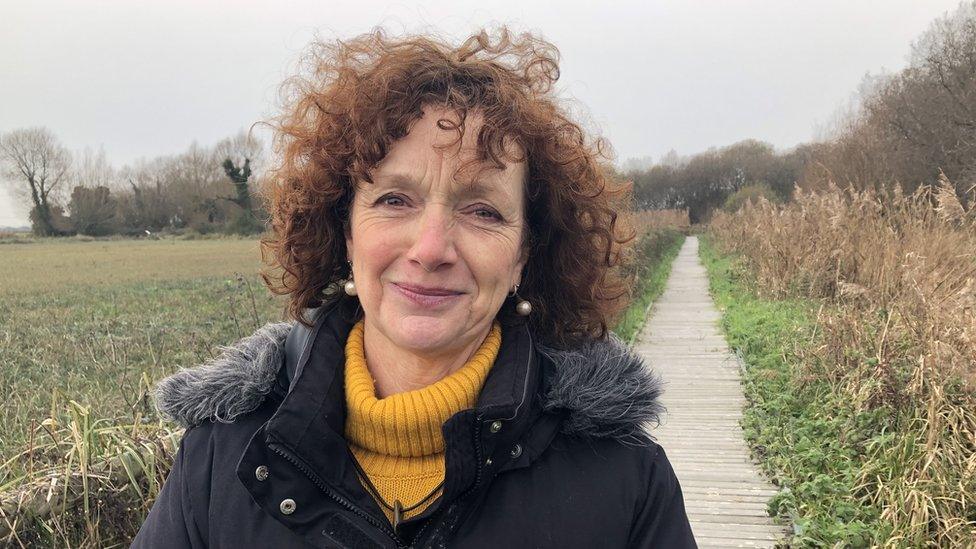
(751, 194)
(93, 211)
(646, 220)
(703, 182)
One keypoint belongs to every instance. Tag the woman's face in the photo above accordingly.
(433, 256)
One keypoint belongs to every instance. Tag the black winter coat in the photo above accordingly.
(264, 462)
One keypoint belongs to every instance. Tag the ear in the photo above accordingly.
(347, 229)
(349, 247)
(517, 271)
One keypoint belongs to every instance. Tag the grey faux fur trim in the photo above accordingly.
(605, 390)
(232, 384)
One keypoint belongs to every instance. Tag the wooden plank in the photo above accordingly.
(724, 519)
(725, 493)
(723, 543)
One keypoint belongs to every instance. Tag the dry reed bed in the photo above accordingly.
(102, 478)
(646, 220)
(897, 333)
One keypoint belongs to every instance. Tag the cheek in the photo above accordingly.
(373, 256)
(369, 252)
(494, 263)
(364, 238)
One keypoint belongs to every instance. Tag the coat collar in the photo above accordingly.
(601, 389)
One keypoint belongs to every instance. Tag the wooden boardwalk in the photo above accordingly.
(725, 494)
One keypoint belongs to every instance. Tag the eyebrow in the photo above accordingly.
(397, 179)
(477, 187)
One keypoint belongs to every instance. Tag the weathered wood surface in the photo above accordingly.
(725, 494)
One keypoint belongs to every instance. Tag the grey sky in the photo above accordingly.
(147, 78)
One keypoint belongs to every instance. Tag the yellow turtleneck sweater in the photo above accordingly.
(397, 440)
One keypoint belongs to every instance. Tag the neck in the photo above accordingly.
(397, 370)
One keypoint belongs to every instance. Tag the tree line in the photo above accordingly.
(205, 189)
(907, 128)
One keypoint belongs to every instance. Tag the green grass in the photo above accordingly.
(806, 435)
(63, 266)
(655, 253)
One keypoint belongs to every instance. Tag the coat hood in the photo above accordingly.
(602, 388)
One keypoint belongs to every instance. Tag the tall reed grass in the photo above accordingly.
(654, 253)
(648, 220)
(896, 340)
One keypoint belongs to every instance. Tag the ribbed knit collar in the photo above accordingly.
(409, 424)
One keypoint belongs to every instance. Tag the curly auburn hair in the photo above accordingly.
(363, 94)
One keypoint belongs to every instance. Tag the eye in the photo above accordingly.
(391, 200)
(485, 212)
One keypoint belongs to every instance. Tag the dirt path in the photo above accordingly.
(724, 492)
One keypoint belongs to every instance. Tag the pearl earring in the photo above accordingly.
(522, 307)
(350, 285)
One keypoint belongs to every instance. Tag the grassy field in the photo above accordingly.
(88, 327)
(99, 322)
(62, 266)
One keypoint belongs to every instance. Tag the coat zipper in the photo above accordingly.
(479, 453)
(298, 463)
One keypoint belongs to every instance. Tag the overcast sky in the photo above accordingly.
(147, 78)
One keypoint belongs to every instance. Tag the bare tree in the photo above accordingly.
(240, 156)
(913, 126)
(146, 204)
(36, 163)
(92, 169)
(239, 148)
(704, 181)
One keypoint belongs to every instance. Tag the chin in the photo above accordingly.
(426, 334)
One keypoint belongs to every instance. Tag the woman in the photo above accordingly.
(451, 252)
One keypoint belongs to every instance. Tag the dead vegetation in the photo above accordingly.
(896, 274)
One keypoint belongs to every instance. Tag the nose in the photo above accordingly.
(433, 240)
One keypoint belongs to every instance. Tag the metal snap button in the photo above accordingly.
(495, 426)
(287, 506)
(516, 451)
(488, 462)
(261, 473)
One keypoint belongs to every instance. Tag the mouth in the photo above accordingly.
(427, 296)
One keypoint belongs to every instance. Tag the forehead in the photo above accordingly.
(432, 147)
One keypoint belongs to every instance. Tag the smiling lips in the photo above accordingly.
(426, 297)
